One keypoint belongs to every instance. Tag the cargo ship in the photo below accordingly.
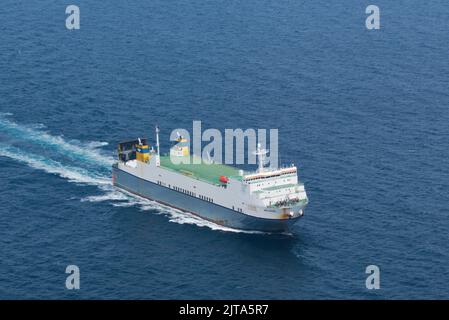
(267, 199)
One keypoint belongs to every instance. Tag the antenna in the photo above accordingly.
(158, 157)
(260, 153)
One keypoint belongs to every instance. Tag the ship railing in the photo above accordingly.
(248, 174)
(287, 203)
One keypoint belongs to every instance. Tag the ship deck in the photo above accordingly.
(208, 172)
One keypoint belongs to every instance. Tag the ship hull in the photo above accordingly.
(204, 209)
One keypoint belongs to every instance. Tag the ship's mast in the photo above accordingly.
(260, 153)
(158, 157)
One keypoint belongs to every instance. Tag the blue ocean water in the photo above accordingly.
(363, 113)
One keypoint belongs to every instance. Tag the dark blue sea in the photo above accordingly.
(363, 113)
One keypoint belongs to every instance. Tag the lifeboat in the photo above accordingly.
(224, 179)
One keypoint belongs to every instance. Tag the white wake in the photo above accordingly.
(73, 174)
(71, 148)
